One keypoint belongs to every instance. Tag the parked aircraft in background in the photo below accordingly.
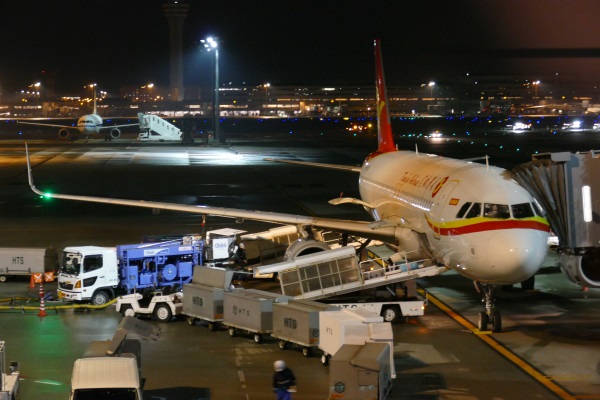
(468, 217)
(90, 124)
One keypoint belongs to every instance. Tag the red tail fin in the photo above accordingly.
(384, 128)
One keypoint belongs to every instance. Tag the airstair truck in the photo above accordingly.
(99, 274)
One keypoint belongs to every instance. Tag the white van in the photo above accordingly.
(106, 378)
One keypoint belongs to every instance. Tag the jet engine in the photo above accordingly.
(582, 269)
(115, 133)
(302, 247)
(63, 133)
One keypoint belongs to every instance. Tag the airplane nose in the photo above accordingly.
(516, 255)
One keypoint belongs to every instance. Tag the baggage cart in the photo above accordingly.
(250, 311)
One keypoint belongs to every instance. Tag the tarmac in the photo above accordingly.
(549, 347)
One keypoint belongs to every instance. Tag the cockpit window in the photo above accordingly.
(475, 211)
(522, 210)
(463, 209)
(491, 210)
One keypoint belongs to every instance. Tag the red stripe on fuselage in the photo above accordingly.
(489, 226)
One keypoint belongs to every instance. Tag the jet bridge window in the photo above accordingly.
(475, 211)
(538, 208)
(491, 210)
(522, 210)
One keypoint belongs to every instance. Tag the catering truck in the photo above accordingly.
(98, 274)
(21, 261)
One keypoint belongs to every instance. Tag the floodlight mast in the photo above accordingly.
(211, 43)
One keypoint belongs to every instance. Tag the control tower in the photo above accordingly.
(176, 11)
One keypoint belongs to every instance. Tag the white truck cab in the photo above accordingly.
(88, 273)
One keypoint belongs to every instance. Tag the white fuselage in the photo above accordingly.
(89, 124)
(429, 195)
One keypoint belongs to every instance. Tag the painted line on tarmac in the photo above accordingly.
(49, 382)
(486, 337)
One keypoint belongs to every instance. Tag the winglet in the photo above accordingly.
(384, 128)
(29, 175)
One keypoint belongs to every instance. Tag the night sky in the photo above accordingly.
(125, 42)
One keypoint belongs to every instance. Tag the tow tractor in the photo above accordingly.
(157, 304)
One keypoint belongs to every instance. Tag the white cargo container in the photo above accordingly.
(359, 326)
(203, 298)
(249, 310)
(364, 371)
(297, 322)
(203, 302)
(26, 261)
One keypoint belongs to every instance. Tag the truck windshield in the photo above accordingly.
(70, 263)
(106, 394)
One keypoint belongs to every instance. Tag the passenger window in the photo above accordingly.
(522, 210)
(496, 211)
(475, 211)
(463, 209)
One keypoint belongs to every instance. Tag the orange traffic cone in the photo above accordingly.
(31, 283)
(42, 312)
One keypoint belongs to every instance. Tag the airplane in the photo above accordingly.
(469, 217)
(90, 124)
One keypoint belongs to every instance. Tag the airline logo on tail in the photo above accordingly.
(384, 128)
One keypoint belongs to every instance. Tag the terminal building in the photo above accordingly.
(465, 95)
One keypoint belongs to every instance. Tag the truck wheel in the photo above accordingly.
(163, 313)
(306, 351)
(390, 314)
(282, 344)
(191, 321)
(257, 338)
(100, 298)
(325, 360)
(127, 311)
(2, 278)
(231, 332)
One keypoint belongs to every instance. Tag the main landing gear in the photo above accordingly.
(490, 316)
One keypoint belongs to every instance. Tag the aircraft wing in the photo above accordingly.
(319, 165)
(371, 229)
(52, 125)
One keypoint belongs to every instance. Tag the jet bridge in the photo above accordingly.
(568, 187)
(154, 128)
(338, 271)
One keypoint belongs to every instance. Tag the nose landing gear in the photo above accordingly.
(490, 316)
